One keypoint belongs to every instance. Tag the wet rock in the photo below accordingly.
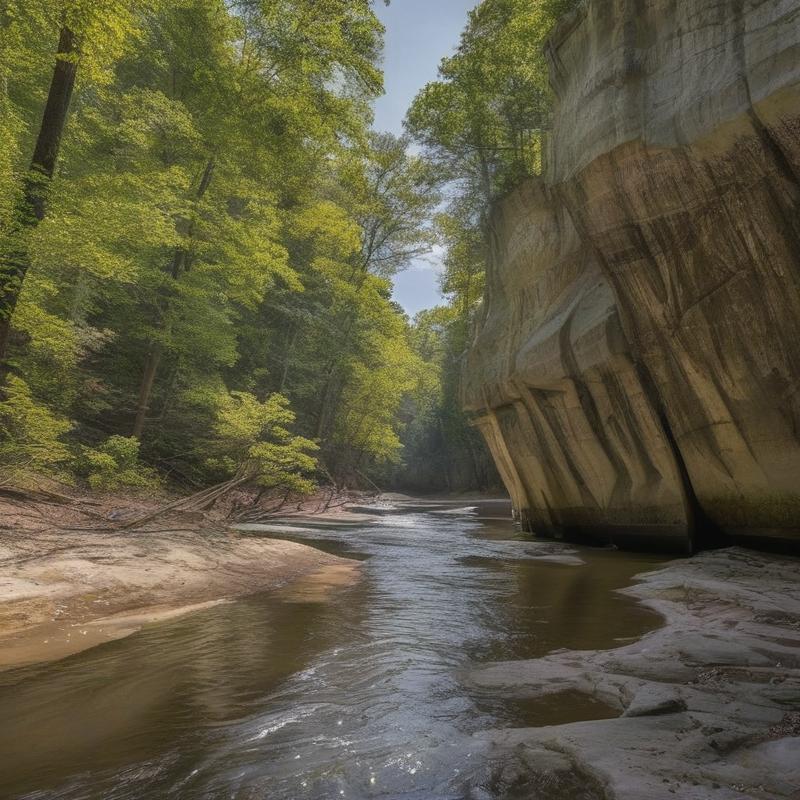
(651, 701)
(638, 353)
(535, 772)
(694, 727)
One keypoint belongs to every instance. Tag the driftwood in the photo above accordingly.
(35, 496)
(199, 501)
(255, 511)
(332, 497)
(13, 485)
(30, 497)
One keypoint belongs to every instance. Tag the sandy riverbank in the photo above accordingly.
(64, 589)
(709, 703)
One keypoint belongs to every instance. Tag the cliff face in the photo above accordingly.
(637, 365)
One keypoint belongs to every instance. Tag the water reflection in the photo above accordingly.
(132, 701)
(547, 606)
(308, 694)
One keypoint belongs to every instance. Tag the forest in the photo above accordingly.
(268, 530)
(199, 229)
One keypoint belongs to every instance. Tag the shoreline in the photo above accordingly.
(708, 703)
(64, 589)
(70, 580)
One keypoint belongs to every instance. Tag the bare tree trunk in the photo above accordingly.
(327, 396)
(146, 389)
(32, 203)
(287, 358)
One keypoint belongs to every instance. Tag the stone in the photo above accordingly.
(694, 727)
(653, 700)
(635, 369)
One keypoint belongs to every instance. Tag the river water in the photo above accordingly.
(360, 691)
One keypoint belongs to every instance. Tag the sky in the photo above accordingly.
(419, 33)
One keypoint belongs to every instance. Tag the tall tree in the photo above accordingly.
(267, 86)
(85, 27)
(483, 119)
(392, 197)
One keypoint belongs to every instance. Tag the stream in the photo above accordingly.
(358, 691)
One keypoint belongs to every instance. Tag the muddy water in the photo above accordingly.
(356, 691)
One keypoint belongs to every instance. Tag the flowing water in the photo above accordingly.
(360, 691)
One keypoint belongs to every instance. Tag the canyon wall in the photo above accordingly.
(636, 367)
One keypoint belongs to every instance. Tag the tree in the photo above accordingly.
(481, 123)
(216, 246)
(253, 443)
(274, 63)
(89, 30)
(391, 197)
(483, 119)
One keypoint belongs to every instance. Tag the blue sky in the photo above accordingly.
(419, 33)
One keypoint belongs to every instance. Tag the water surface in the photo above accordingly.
(357, 692)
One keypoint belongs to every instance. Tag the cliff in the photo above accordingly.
(636, 367)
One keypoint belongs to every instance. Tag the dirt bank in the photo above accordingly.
(67, 584)
(709, 704)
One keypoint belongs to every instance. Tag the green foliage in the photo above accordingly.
(466, 253)
(115, 464)
(441, 451)
(31, 437)
(391, 196)
(365, 430)
(9, 155)
(340, 348)
(484, 118)
(255, 439)
(223, 227)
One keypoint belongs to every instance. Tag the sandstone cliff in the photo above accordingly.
(636, 368)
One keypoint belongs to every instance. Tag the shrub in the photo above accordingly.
(115, 465)
(30, 434)
(254, 439)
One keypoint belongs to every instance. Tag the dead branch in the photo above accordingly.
(200, 501)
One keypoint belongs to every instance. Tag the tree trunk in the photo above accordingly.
(327, 395)
(180, 263)
(328, 392)
(287, 358)
(31, 207)
(146, 389)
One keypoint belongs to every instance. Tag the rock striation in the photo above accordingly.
(636, 367)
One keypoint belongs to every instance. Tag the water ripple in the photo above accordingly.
(359, 696)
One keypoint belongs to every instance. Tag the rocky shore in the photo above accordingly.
(709, 704)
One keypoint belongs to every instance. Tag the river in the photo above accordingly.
(322, 692)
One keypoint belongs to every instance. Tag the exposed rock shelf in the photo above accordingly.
(637, 364)
(708, 703)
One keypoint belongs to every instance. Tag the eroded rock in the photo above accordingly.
(654, 700)
(696, 721)
(637, 364)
